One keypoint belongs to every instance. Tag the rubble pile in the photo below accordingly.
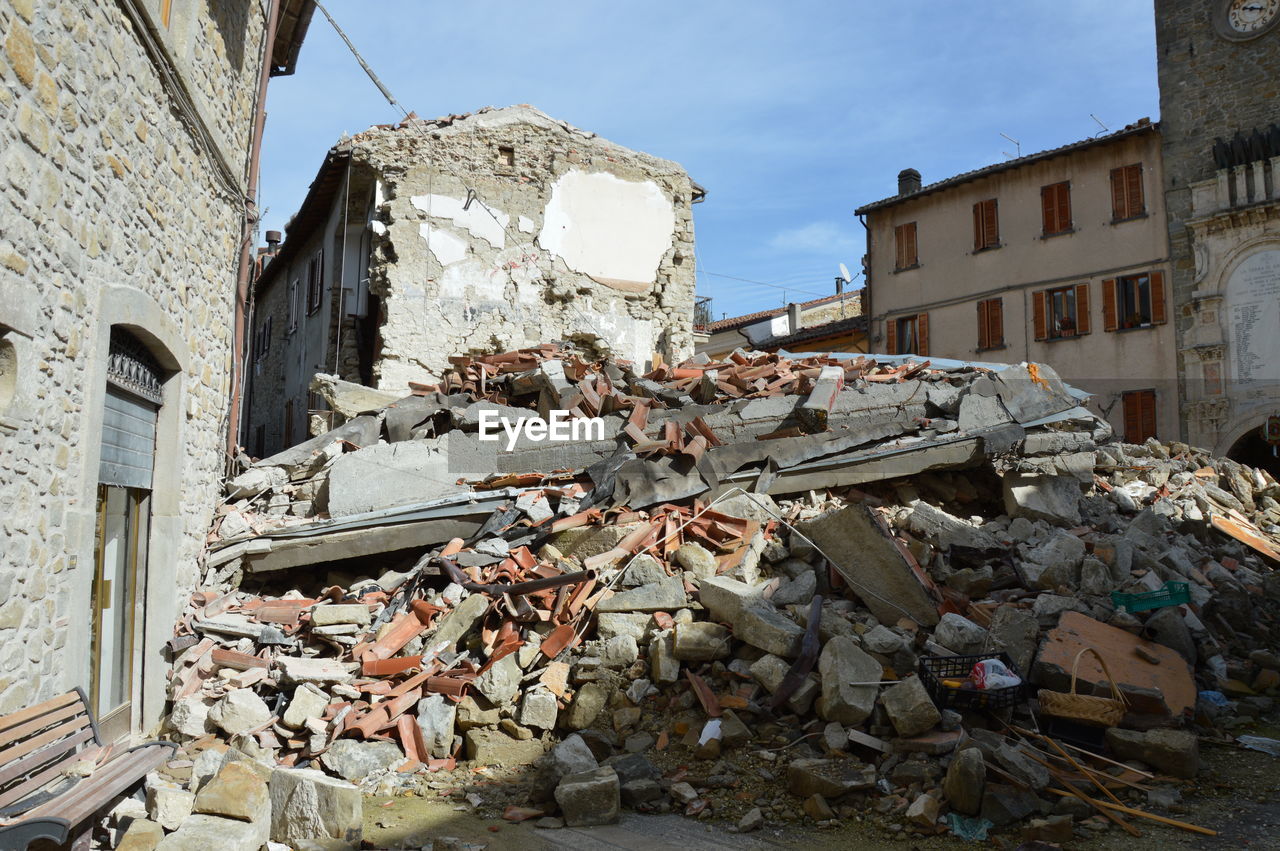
(677, 626)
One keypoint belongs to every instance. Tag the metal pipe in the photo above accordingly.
(456, 575)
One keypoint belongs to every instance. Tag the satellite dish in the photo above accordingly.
(844, 273)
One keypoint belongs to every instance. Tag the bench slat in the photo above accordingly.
(34, 783)
(96, 791)
(19, 767)
(40, 741)
(15, 718)
(16, 734)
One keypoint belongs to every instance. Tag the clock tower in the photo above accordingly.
(1219, 69)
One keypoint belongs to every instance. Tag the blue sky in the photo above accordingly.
(790, 114)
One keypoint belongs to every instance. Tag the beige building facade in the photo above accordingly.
(1059, 257)
(127, 133)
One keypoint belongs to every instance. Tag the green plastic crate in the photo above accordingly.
(1172, 594)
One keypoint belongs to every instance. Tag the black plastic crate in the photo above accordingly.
(934, 669)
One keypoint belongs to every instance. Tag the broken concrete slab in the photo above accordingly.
(1038, 497)
(1173, 752)
(665, 596)
(872, 564)
(309, 805)
(390, 475)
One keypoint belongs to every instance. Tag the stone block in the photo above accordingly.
(494, 747)
(909, 707)
(665, 596)
(308, 702)
(354, 760)
(307, 804)
(336, 614)
(435, 717)
(701, 641)
(169, 806)
(235, 792)
(589, 798)
(841, 664)
(205, 832)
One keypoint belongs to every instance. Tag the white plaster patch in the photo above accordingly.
(606, 227)
(476, 220)
(472, 280)
(525, 224)
(448, 247)
(627, 337)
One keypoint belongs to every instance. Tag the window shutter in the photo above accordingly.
(1117, 194)
(891, 336)
(1147, 403)
(1048, 210)
(1157, 298)
(913, 246)
(991, 223)
(1082, 309)
(984, 341)
(1132, 417)
(995, 322)
(1133, 190)
(922, 333)
(1064, 207)
(1110, 310)
(900, 246)
(977, 226)
(1039, 310)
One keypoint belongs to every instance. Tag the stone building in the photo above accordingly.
(1059, 257)
(1219, 72)
(831, 323)
(468, 234)
(127, 154)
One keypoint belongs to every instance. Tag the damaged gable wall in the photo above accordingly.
(587, 240)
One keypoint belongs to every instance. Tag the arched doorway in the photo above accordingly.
(1249, 448)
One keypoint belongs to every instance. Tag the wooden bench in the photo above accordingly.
(39, 797)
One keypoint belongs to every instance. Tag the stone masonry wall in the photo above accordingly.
(484, 286)
(1209, 87)
(102, 184)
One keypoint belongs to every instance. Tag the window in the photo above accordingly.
(1139, 415)
(262, 341)
(1061, 312)
(294, 307)
(1126, 193)
(991, 324)
(314, 292)
(1055, 208)
(1134, 301)
(986, 225)
(904, 239)
(506, 156)
(907, 335)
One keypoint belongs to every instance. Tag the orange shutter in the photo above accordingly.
(1132, 417)
(1148, 417)
(899, 244)
(922, 333)
(1157, 298)
(1133, 190)
(990, 224)
(1117, 194)
(983, 341)
(1110, 310)
(1082, 308)
(1048, 210)
(977, 226)
(1064, 207)
(1039, 310)
(995, 322)
(891, 336)
(913, 251)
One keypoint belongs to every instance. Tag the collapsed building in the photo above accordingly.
(771, 569)
(470, 233)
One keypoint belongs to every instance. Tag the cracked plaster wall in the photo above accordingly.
(581, 239)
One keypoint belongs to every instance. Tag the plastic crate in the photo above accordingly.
(934, 669)
(1172, 594)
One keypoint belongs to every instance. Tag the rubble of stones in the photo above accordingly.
(576, 656)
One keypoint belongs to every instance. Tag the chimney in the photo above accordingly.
(273, 241)
(793, 317)
(908, 181)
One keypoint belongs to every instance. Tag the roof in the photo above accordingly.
(291, 29)
(731, 322)
(816, 332)
(1143, 125)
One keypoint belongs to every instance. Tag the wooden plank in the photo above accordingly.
(67, 729)
(1194, 828)
(19, 767)
(95, 792)
(35, 726)
(15, 718)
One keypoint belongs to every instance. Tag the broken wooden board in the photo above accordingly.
(1166, 688)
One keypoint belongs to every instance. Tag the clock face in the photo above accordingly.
(1248, 17)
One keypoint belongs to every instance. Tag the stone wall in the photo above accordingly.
(113, 213)
(587, 240)
(1210, 87)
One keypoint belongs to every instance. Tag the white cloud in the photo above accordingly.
(815, 238)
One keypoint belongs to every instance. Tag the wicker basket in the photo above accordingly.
(1087, 709)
